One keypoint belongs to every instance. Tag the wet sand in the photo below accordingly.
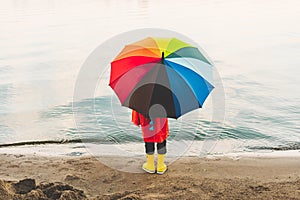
(187, 178)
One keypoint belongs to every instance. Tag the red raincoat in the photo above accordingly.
(153, 131)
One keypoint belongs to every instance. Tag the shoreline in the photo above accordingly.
(187, 178)
(76, 149)
(281, 147)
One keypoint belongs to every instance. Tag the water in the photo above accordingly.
(255, 46)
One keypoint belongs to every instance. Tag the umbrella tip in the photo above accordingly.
(163, 55)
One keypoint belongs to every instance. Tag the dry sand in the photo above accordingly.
(187, 178)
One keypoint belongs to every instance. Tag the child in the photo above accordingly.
(153, 131)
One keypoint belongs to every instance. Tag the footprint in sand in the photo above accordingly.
(13, 166)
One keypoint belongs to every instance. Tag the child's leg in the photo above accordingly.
(149, 165)
(161, 147)
(161, 152)
(149, 147)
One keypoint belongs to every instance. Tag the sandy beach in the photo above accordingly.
(187, 178)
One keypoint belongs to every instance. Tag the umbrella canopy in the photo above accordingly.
(161, 77)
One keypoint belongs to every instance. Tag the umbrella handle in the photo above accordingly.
(151, 128)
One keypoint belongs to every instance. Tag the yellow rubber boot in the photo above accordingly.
(161, 166)
(149, 165)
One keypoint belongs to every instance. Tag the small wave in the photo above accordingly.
(40, 142)
(107, 140)
(291, 146)
(217, 132)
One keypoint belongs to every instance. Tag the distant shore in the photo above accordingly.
(187, 178)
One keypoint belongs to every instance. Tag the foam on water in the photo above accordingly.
(221, 149)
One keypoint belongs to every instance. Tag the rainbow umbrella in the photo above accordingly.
(163, 73)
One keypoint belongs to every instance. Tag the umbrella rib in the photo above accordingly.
(120, 75)
(188, 88)
(180, 46)
(187, 82)
(167, 84)
(176, 54)
(148, 43)
(124, 55)
(171, 60)
(137, 86)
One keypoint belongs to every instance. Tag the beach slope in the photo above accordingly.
(187, 178)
